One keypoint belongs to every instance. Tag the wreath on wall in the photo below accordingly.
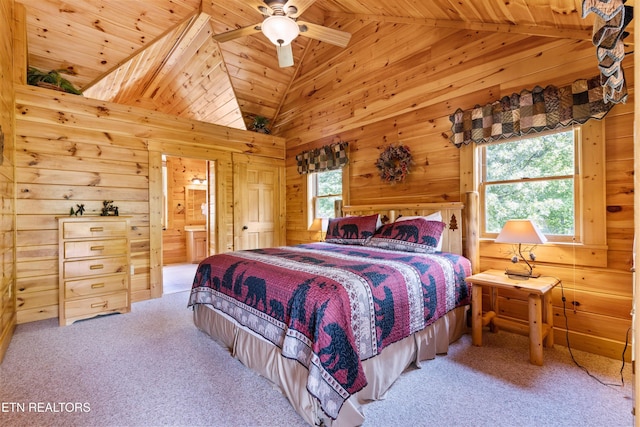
(394, 163)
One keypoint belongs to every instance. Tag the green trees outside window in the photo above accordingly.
(327, 189)
(531, 178)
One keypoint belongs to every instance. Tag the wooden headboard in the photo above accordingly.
(454, 214)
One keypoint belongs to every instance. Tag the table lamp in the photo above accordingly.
(321, 225)
(521, 231)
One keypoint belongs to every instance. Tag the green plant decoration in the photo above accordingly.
(51, 80)
(260, 124)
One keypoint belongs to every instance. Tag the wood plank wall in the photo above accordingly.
(67, 156)
(7, 205)
(399, 84)
(73, 150)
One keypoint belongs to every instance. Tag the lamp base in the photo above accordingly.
(521, 274)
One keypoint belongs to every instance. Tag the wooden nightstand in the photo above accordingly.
(540, 326)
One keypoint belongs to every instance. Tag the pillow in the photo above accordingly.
(352, 230)
(411, 235)
(436, 216)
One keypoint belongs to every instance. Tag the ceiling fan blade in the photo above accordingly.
(264, 10)
(285, 56)
(301, 5)
(324, 34)
(234, 34)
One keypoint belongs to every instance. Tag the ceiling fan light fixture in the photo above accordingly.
(281, 30)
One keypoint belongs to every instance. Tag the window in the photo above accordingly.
(535, 178)
(589, 243)
(326, 188)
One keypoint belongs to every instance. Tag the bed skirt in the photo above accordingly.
(290, 376)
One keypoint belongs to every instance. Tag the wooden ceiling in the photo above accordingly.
(163, 54)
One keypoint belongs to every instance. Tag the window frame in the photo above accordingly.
(313, 185)
(592, 192)
(312, 223)
(483, 184)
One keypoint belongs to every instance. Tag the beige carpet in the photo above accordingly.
(152, 367)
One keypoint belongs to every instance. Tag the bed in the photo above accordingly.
(333, 324)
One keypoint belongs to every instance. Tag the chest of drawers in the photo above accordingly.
(94, 267)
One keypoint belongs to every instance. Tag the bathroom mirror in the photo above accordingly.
(196, 199)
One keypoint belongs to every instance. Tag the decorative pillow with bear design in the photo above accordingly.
(436, 216)
(412, 235)
(351, 230)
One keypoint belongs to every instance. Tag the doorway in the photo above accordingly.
(185, 220)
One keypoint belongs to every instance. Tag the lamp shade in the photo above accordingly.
(325, 224)
(520, 231)
(316, 225)
(320, 224)
(280, 29)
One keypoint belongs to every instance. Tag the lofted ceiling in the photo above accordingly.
(168, 55)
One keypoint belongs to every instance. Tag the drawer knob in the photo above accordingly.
(99, 304)
(96, 229)
(97, 248)
(96, 267)
(97, 285)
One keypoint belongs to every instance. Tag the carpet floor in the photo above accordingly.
(177, 277)
(152, 367)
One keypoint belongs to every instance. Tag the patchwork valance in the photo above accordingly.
(611, 18)
(530, 111)
(326, 158)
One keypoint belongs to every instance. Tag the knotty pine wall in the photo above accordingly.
(67, 155)
(399, 83)
(180, 172)
(71, 150)
(7, 205)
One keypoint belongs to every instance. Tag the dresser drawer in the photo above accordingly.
(90, 248)
(76, 230)
(94, 267)
(95, 286)
(96, 305)
(94, 262)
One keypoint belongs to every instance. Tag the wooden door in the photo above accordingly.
(258, 202)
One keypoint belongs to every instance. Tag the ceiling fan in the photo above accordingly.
(281, 27)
